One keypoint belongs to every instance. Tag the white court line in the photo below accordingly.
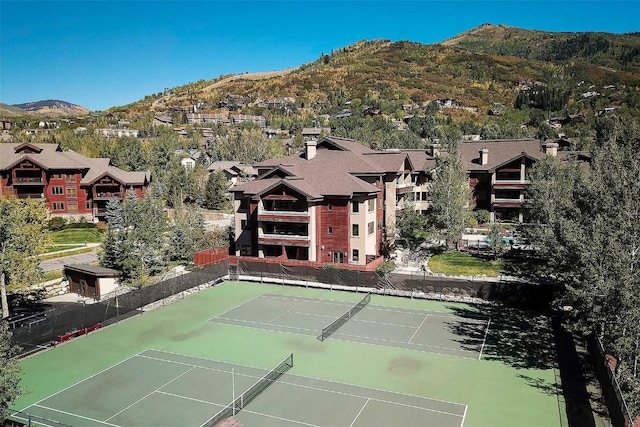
(85, 379)
(280, 418)
(343, 393)
(486, 331)
(344, 335)
(416, 311)
(144, 397)
(353, 319)
(188, 398)
(199, 367)
(464, 415)
(361, 409)
(40, 423)
(237, 306)
(414, 334)
(289, 374)
(277, 317)
(76, 415)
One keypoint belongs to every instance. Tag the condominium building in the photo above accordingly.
(72, 184)
(335, 202)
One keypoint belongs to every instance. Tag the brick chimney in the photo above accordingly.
(550, 148)
(484, 156)
(310, 149)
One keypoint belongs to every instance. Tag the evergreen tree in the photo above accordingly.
(217, 194)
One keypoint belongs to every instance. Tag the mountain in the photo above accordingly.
(7, 110)
(479, 69)
(618, 51)
(52, 107)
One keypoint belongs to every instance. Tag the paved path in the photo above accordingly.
(58, 263)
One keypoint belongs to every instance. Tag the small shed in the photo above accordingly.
(90, 280)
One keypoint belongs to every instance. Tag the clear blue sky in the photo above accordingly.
(102, 54)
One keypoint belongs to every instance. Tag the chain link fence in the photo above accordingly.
(618, 410)
(415, 285)
(58, 326)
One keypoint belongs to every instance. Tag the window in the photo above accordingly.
(355, 255)
(245, 250)
(355, 207)
(88, 205)
(243, 224)
(58, 206)
(371, 204)
(355, 230)
(56, 176)
(56, 190)
(424, 196)
(71, 177)
(72, 192)
(329, 207)
(72, 206)
(329, 230)
(371, 227)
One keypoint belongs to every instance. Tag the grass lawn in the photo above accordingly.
(57, 248)
(462, 264)
(76, 235)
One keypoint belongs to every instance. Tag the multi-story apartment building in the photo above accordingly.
(333, 203)
(72, 184)
(337, 201)
(498, 174)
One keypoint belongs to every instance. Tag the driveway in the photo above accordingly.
(58, 263)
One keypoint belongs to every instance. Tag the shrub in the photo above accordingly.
(482, 216)
(56, 223)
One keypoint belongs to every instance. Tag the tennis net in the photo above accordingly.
(327, 331)
(252, 392)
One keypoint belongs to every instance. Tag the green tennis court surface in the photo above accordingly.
(395, 362)
(394, 327)
(161, 388)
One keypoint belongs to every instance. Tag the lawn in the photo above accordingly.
(462, 264)
(76, 235)
(57, 248)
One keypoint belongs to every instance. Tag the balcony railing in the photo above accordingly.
(283, 216)
(284, 239)
(28, 180)
(30, 195)
(404, 188)
(509, 203)
(511, 184)
(107, 195)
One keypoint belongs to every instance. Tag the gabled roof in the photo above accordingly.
(333, 171)
(500, 152)
(50, 157)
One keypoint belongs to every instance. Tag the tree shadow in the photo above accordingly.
(530, 340)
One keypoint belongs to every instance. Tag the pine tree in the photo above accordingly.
(216, 195)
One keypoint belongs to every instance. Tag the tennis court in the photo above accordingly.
(162, 388)
(395, 361)
(403, 328)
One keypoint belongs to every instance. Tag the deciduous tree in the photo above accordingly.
(10, 371)
(23, 236)
(450, 196)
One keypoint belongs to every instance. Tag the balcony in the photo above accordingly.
(284, 239)
(284, 216)
(107, 195)
(404, 188)
(28, 180)
(30, 195)
(511, 185)
(508, 203)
